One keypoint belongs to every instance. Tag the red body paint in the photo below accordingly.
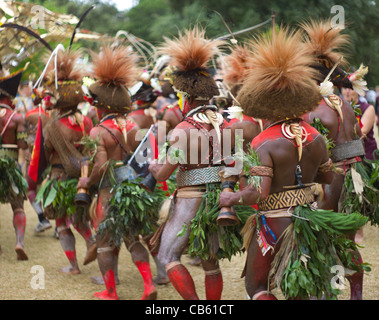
(275, 132)
(144, 269)
(110, 292)
(213, 286)
(71, 256)
(183, 282)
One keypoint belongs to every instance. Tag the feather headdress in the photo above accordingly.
(67, 91)
(190, 54)
(115, 69)
(326, 44)
(237, 65)
(281, 85)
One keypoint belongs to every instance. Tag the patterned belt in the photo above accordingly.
(348, 150)
(198, 176)
(9, 150)
(286, 199)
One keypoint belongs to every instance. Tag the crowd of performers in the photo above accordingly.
(291, 192)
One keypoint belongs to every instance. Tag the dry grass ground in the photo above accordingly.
(16, 277)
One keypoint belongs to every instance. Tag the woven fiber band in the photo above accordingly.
(286, 199)
(262, 171)
(198, 176)
(348, 150)
(9, 150)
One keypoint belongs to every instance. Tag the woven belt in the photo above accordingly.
(198, 176)
(120, 175)
(9, 150)
(348, 150)
(286, 199)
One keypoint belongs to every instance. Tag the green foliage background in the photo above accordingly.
(152, 19)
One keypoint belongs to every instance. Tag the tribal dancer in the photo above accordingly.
(62, 133)
(31, 123)
(192, 217)
(115, 70)
(285, 160)
(336, 119)
(13, 185)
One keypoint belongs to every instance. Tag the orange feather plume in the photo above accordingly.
(324, 41)
(117, 66)
(280, 63)
(237, 65)
(190, 50)
(281, 81)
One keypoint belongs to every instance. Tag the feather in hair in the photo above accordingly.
(67, 68)
(323, 40)
(190, 50)
(116, 66)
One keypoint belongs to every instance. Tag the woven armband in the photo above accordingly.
(22, 136)
(262, 171)
(326, 167)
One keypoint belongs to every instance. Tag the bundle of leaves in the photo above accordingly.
(131, 211)
(59, 196)
(362, 194)
(208, 239)
(311, 248)
(12, 182)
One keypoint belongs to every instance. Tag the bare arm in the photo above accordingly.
(100, 160)
(368, 120)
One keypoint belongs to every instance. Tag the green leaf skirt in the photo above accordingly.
(13, 184)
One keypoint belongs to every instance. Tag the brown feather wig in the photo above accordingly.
(115, 69)
(237, 66)
(69, 93)
(326, 44)
(190, 54)
(281, 85)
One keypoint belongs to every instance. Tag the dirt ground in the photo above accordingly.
(18, 278)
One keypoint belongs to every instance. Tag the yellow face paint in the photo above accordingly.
(180, 101)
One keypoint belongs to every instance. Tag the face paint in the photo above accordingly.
(181, 100)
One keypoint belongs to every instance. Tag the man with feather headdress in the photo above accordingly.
(118, 216)
(337, 120)
(195, 150)
(283, 239)
(62, 133)
(12, 137)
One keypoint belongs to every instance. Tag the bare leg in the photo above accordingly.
(213, 280)
(172, 246)
(99, 279)
(67, 240)
(140, 257)
(106, 261)
(258, 266)
(85, 231)
(19, 222)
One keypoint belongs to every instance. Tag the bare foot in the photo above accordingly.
(159, 280)
(70, 270)
(150, 295)
(91, 254)
(21, 255)
(105, 295)
(100, 280)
